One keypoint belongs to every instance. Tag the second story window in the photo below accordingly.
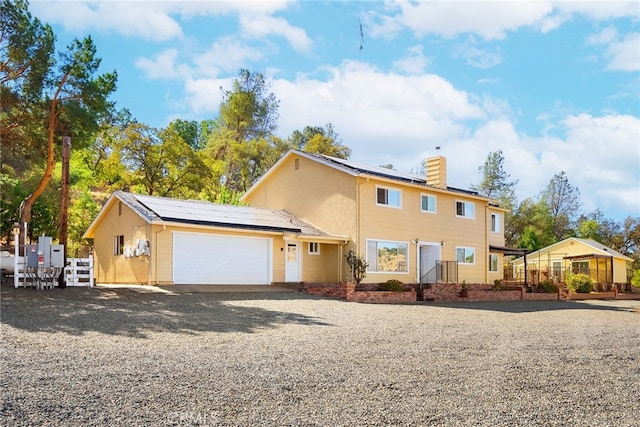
(428, 203)
(388, 197)
(495, 223)
(466, 209)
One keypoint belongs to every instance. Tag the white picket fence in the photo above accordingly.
(79, 272)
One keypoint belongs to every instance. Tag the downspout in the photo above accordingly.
(486, 244)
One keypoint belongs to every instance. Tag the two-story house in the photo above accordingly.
(303, 216)
(403, 224)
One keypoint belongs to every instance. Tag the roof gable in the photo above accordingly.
(590, 245)
(356, 169)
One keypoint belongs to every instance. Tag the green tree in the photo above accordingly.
(496, 184)
(56, 97)
(320, 140)
(563, 202)
(159, 162)
(240, 143)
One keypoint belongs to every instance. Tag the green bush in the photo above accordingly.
(358, 266)
(497, 285)
(580, 283)
(635, 279)
(393, 285)
(548, 287)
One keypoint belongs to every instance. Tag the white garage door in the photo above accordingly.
(207, 259)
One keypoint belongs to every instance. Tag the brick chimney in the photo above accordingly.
(437, 171)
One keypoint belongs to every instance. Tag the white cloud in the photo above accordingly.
(475, 56)
(606, 36)
(490, 20)
(414, 62)
(132, 19)
(162, 66)
(260, 26)
(226, 54)
(624, 55)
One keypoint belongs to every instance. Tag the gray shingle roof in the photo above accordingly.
(199, 212)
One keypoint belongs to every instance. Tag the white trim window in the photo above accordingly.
(493, 263)
(387, 257)
(496, 223)
(314, 248)
(118, 245)
(465, 209)
(428, 203)
(465, 255)
(389, 197)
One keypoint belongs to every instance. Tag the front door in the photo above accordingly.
(292, 267)
(429, 254)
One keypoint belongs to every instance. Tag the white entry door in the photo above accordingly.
(292, 268)
(429, 255)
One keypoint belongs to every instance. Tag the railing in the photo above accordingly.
(442, 272)
(535, 276)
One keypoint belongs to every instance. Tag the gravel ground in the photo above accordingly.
(81, 357)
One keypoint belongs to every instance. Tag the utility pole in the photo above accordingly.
(64, 204)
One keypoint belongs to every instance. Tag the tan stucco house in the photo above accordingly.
(304, 215)
(604, 265)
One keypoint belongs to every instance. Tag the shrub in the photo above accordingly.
(497, 285)
(548, 287)
(358, 266)
(580, 283)
(393, 285)
(635, 279)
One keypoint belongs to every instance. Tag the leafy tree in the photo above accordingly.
(563, 202)
(47, 96)
(82, 211)
(495, 182)
(530, 218)
(319, 140)
(245, 127)
(159, 162)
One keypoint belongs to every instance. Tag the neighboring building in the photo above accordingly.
(403, 224)
(306, 213)
(603, 264)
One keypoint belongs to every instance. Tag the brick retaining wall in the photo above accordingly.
(446, 292)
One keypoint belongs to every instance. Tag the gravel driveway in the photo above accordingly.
(82, 357)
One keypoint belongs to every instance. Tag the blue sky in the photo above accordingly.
(554, 85)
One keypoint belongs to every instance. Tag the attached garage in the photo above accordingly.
(210, 259)
(140, 239)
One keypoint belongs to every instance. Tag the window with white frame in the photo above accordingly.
(118, 245)
(314, 248)
(465, 209)
(385, 256)
(496, 223)
(465, 255)
(428, 203)
(390, 197)
(493, 263)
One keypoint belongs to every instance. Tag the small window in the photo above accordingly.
(388, 197)
(466, 209)
(466, 255)
(496, 221)
(118, 245)
(296, 163)
(314, 248)
(493, 263)
(119, 208)
(428, 203)
(385, 256)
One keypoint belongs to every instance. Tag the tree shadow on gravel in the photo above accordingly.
(539, 306)
(76, 311)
